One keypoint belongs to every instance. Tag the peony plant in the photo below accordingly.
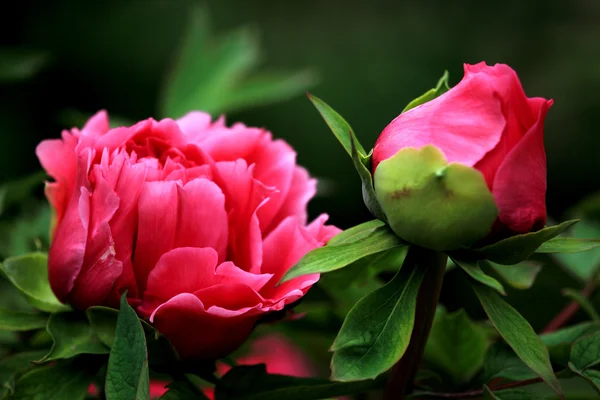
(182, 259)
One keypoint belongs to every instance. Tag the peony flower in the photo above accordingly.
(196, 220)
(486, 123)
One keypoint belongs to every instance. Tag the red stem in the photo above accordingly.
(570, 309)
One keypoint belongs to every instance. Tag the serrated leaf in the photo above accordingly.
(72, 336)
(377, 330)
(21, 321)
(520, 276)
(502, 362)
(432, 203)
(585, 352)
(457, 345)
(474, 271)
(517, 248)
(29, 273)
(518, 334)
(330, 258)
(127, 374)
(55, 382)
(441, 88)
(585, 304)
(253, 383)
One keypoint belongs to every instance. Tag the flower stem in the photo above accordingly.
(402, 377)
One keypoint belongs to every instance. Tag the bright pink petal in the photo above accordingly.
(157, 226)
(181, 270)
(228, 272)
(202, 219)
(195, 125)
(283, 248)
(244, 196)
(464, 123)
(198, 334)
(302, 189)
(97, 125)
(229, 299)
(321, 232)
(99, 272)
(520, 183)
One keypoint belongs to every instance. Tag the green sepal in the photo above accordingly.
(431, 203)
(517, 248)
(441, 88)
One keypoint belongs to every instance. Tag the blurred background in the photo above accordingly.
(61, 61)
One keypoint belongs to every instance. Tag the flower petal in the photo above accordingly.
(520, 183)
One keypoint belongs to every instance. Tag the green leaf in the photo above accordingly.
(582, 265)
(17, 65)
(585, 304)
(441, 88)
(502, 362)
(330, 258)
(21, 321)
(253, 383)
(568, 245)
(517, 248)
(127, 374)
(474, 271)
(72, 336)
(519, 276)
(431, 203)
(590, 375)
(356, 232)
(18, 363)
(377, 330)
(182, 390)
(338, 125)
(559, 343)
(103, 321)
(508, 394)
(207, 68)
(348, 285)
(360, 159)
(55, 382)
(585, 352)
(457, 345)
(519, 335)
(269, 88)
(29, 273)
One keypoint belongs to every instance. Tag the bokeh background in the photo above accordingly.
(61, 61)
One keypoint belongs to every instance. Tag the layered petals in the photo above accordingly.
(197, 221)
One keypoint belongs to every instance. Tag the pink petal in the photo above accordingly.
(283, 248)
(227, 272)
(202, 219)
(195, 125)
(157, 226)
(244, 196)
(198, 334)
(97, 125)
(182, 270)
(453, 122)
(99, 272)
(520, 183)
(302, 189)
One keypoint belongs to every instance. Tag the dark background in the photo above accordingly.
(371, 57)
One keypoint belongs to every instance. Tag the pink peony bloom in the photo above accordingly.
(196, 220)
(485, 122)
